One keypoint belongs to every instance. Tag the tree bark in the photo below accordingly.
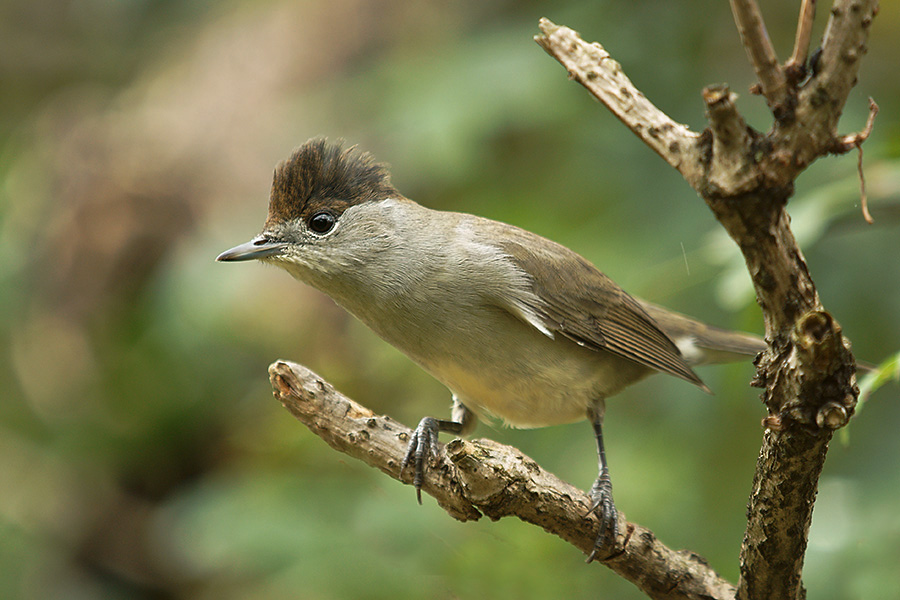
(746, 178)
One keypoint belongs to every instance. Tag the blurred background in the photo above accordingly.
(141, 452)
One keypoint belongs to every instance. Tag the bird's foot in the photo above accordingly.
(422, 445)
(601, 495)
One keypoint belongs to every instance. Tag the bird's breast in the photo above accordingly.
(504, 367)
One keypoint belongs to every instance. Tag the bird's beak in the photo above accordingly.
(258, 247)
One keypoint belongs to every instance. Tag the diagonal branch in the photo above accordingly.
(483, 477)
(795, 67)
(772, 79)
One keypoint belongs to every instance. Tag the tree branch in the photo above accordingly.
(772, 79)
(855, 140)
(821, 99)
(480, 477)
(795, 67)
(730, 139)
(746, 178)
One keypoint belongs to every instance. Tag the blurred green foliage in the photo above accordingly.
(142, 453)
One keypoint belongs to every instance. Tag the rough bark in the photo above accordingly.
(746, 178)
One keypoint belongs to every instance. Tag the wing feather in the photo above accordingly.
(577, 301)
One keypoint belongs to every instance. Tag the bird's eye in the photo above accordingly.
(322, 222)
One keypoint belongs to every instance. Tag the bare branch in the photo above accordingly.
(847, 143)
(844, 44)
(855, 140)
(483, 477)
(821, 100)
(795, 67)
(591, 66)
(746, 178)
(731, 138)
(814, 394)
(355, 430)
(772, 80)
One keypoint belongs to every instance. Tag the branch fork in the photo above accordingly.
(746, 178)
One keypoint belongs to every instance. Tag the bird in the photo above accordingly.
(517, 326)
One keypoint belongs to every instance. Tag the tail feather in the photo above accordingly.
(702, 344)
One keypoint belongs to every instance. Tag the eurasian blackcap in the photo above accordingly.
(517, 326)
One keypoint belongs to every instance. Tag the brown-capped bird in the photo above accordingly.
(517, 326)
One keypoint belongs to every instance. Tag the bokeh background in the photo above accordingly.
(141, 452)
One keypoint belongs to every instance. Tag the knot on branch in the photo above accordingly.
(823, 393)
(499, 480)
(817, 339)
(832, 416)
(483, 479)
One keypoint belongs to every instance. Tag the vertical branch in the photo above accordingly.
(795, 66)
(781, 537)
(746, 178)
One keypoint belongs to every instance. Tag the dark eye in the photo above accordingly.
(322, 222)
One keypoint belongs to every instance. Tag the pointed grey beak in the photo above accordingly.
(258, 247)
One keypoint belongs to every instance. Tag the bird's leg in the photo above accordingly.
(601, 491)
(424, 440)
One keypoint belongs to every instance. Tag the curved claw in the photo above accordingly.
(601, 494)
(422, 444)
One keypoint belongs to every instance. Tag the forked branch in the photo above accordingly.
(746, 178)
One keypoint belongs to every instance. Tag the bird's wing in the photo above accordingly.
(579, 302)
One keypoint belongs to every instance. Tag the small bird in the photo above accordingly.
(516, 326)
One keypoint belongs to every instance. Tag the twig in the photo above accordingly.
(795, 67)
(863, 197)
(469, 479)
(846, 143)
(772, 80)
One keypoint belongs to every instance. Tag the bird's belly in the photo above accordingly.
(497, 364)
(539, 385)
(518, 403)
